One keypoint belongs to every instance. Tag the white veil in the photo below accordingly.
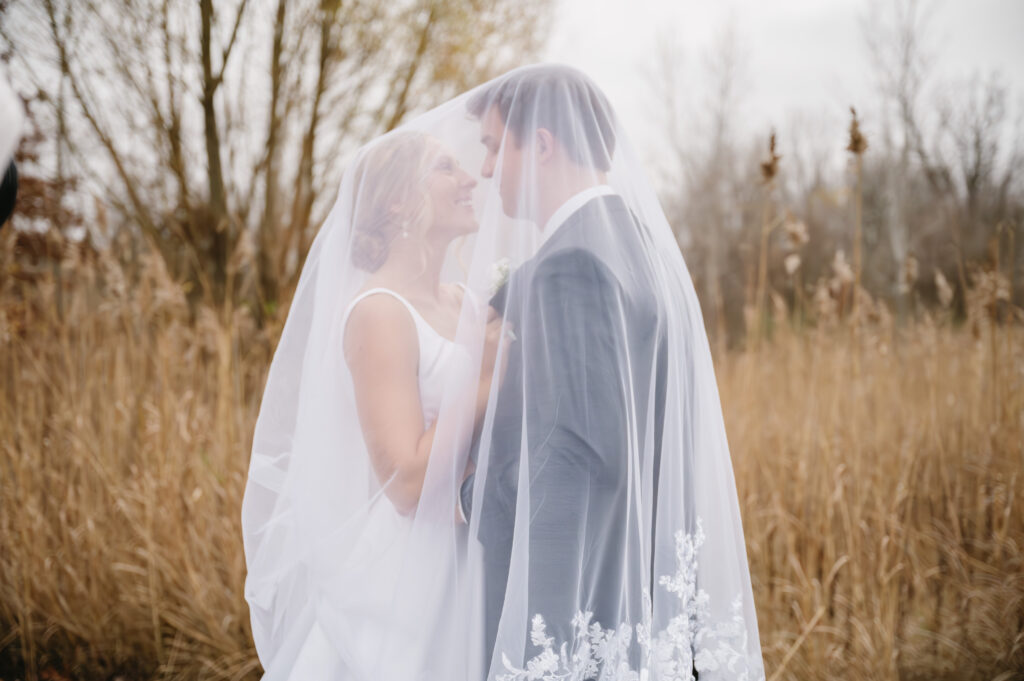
(11, 119)
(603, 536)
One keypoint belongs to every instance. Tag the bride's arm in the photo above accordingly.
(494, 337)
(497, 337)
(382, 352)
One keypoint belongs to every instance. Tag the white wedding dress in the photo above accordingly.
(361, 637)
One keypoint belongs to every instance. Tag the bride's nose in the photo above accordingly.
(468, 180)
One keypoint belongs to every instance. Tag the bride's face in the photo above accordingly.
(450, 189)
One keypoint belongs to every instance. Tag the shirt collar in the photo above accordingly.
(573, 204)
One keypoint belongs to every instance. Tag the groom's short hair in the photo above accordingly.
(559, 99)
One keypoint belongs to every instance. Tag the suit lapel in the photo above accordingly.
(566, 234)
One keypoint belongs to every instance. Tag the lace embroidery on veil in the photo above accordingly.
(689, 641)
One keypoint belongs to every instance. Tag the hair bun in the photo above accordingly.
(386, 182)
(369, 250)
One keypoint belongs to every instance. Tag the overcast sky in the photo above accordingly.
(805, 56)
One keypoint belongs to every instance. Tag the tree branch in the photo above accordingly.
(231, 43)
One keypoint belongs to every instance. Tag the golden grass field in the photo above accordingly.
(879, 470)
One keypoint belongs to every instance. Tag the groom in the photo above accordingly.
(584, 309)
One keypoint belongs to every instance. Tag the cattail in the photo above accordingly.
(770, 167)
(843, 275)
(779, 307)
(944, 289)
(908, 274)
(796, 232)
(858, 143)
(791, 263)
(825, 308)
(857, 146)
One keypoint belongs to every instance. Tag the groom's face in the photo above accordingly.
(504, 149)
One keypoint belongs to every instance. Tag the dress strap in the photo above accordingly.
(416, 316)
(472, 296)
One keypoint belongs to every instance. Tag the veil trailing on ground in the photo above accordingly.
(571, 511)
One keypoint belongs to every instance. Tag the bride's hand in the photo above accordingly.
(496, 339)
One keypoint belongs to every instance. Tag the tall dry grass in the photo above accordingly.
(882, 507)
(879, 474)
(125, 425)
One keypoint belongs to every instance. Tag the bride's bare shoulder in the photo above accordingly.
(379, 324)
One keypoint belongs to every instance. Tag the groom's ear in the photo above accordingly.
(545, 142)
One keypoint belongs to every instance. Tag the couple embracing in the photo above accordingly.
(491, 445)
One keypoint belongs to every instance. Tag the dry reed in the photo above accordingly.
(881, 507)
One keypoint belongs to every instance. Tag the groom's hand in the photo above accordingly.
(497, 337)
(460, 514)
(496, 341)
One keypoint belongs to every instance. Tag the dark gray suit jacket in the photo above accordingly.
(582, 306)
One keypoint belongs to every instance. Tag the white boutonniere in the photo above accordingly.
(500, 272)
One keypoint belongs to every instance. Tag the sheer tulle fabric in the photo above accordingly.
(604, 538)
(11, 119)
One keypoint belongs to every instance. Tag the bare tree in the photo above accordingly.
(703, 187)
(948, 154)
(974, 126)
(212, 126)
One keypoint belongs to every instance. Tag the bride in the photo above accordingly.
(397, 336)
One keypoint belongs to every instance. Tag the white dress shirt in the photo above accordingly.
(573, 204)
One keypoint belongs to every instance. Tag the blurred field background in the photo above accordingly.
(866, 322)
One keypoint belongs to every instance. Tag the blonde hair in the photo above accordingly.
(388, 195)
